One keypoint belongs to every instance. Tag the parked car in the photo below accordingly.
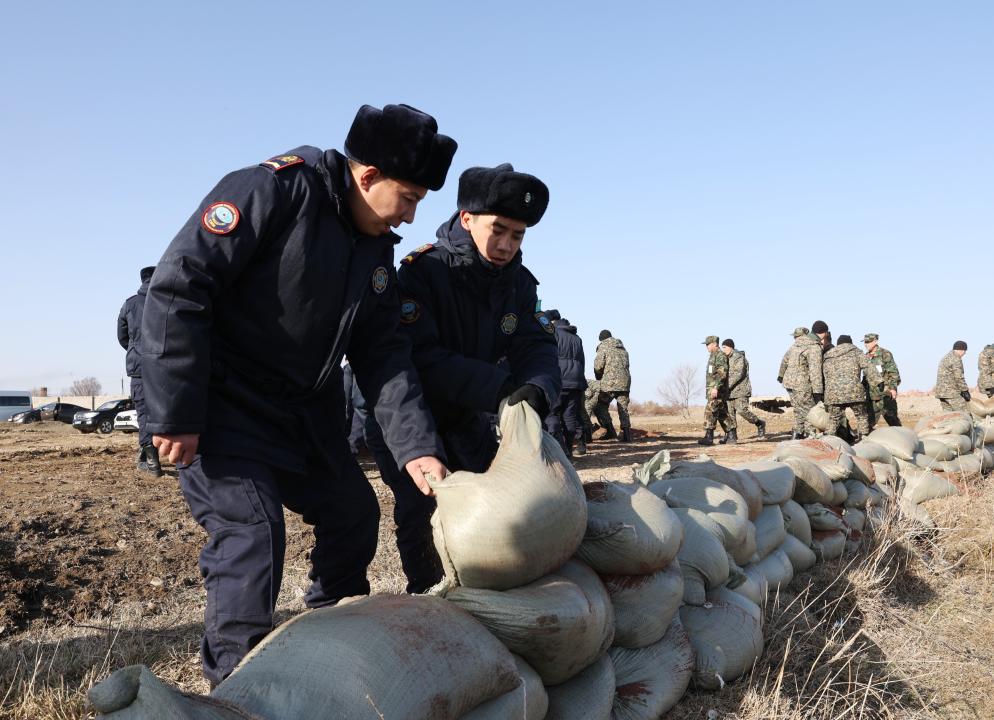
(126, 421)
(25, 417)
(102, 419)
(13, 402)
(63, 412)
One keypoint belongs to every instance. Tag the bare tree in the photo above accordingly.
(681, 385)
(85, 386)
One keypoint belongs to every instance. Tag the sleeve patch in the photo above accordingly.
(410, 311)
(416, 253)
(544, 322)
(221, 218)
(282, 161)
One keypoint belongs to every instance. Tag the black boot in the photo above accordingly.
(611, 434)
(626, 435)
(142, 462)
(797, 435)
(588, 435)
(761, 429)
(708, 438)
(581, 445)
(731, 438)
(152, 461)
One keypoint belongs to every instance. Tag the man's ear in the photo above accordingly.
(464, 219)
(369, 176)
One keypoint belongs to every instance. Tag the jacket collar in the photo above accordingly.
(482, 276)
(333, 167)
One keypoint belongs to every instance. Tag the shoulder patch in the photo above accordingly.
(509, 323)
(282, 161)
(220, 218)
(416, 253)
(410, 311)
(544, 322)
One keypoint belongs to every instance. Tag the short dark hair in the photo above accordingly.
(730, 343)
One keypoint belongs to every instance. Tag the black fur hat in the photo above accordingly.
(402, 142)
(819, 326)
(502, 191)
(845, 340)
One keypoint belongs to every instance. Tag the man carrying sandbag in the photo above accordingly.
(740, 388)
(284, 268)
(985, 364)
(466, 302)
(716, 393)
(844, 368)
(883, 395)
(801, 375)
(950, 384)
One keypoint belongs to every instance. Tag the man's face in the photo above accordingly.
(391, 202)
(727, 350)
(496, 237)
(711, 347)
(961, 353)
(871, 345)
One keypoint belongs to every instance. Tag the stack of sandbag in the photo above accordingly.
(948, 442)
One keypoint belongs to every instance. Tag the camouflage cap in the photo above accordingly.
(798, 331)
(711, 339)
(870, 337)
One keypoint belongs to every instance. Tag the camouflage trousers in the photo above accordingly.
(837, 414)
(716, 411)
(884, 407)
(952, 404)
(802, 401)
(603, 404)
(740, 405)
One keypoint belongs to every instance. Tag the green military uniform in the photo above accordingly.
(843, 367)
(611, 368)
(800, 373)
(882, 405)
(740, 388)
(716, 410)
(950, 384)
(985, 364)
(590, 397)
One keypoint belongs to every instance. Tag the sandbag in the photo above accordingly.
(778, 569)
(536, 698)
(986, 459)
(952, 423)
(649, 681)
(880, 495)
(630, 531)
(862, 470)
(828, 544)
(559, 623)
(726, 639)
(588, 695)
(744, 484)
(874, 452)
(855, 519)
(396, 653)
(770, 530)
(960, 444)
(859, 495)
(823, 518)
(776, 480)
(981, 406)
(963, 465)
(901, 442)
(937, 450)
(755, 587)
(796, 521)
(839, 493)
(801, 556)
(811, 484)
(916, 514)
(134, 693)
(983, 432)
(838, 443)
(644, 605)
(819, 418)
(836, 463)
(521, 519)
(703, 561)
(727, 595)
(885, 474)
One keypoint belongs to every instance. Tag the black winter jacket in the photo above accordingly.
(129, 328)
(571, 360)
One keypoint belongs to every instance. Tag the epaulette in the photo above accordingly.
(416, 253)
(282, 161)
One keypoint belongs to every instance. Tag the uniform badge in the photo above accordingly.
(544, 321)
(380, 279)
(416, 253)
(509, 323)
(221, 218)
(282, 161)
(410, 311)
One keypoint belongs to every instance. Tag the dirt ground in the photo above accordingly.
(98, 568)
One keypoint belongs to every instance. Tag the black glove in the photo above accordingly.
(531, 395)
(818, 397)
(780, 380)
(966, 395)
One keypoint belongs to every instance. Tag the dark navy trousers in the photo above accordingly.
(138, 397)
(563, 420)
(239, 502)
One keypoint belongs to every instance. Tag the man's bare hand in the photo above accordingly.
(176, 448)
(714, 393)
(893, 393)
(428, 465)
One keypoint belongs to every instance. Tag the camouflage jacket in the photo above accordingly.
(883, 362)
(985, 364)
(611, 366)
(593, 390)
(844, 368)
(801, 366)
(739, 385)
(949, 382)
(716, 375)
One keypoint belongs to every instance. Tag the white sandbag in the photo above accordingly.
(630, 531)
(536, 698)
(134, 693)
(885, 474)
(811, 484)
(649, 681)
(952, 423)
(397, 654)
(901, 442)
(964, 465)
(644, 605)
(874, 452)
(521, 519)
(980, 406)
(796, 521)
(776, 480)
(855, 519)
(588, 695)
(823, 518)
(755, 586)
(839, 493)
(983, 432)
(960, 444)
(916, 514)
(703, 561)
(839, 444)
(801, 556)
(726, 639)
(986, 459)
(744, 484)
(880, 495)
(777, 568)
(859, 495)
(819, 418)
(828, 544)
(727, 595)
(937, 450)
(770, 530)
(862, 470)
(559, 623)
(836, 463)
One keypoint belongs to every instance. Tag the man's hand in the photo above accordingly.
(818, 397)
(780, 379)
(966, 395)
(893, 393)
(714, 393)
(427, 465)
(532, 395)
(176, 448)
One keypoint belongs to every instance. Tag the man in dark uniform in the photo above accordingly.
(563, 422)
(285, 267)
(129, 331)
(466, 302)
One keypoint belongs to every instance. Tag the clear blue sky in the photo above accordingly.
(736, 168)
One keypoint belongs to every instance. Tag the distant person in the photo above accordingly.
(563, 421)
(985, 364)
(950, 384)
(883, 395)
(820, 328)
(845, 368)
(588, 408)
(740, 389)
(716, 393)
(129, 331)
(801, 375)
(611, 369)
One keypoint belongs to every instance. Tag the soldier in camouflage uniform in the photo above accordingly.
(590, 396)
(611, 369)
(800, 373)
(883, 397)
(716, 411)
(740, 388)
(844, 367)
(950, 385)
(985, 364)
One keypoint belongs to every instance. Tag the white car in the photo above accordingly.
(126, 421)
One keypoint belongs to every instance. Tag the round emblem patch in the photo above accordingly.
(221, 218)
(509, 323)
(544, 321)
(409, 311)
(380, 278)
